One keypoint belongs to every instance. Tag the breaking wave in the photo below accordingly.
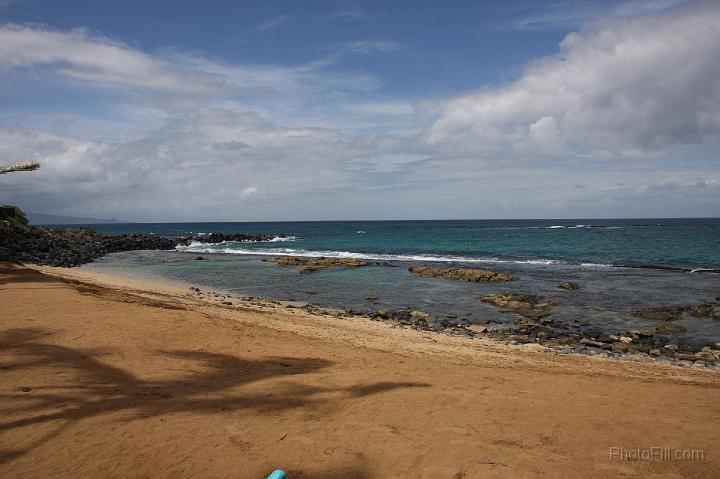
(279, 239)
(572, 227)
(197, 247)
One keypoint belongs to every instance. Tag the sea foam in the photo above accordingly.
(225, 249)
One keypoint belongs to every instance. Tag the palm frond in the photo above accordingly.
(19, 166)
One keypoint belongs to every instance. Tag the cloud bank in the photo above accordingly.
(617, 89)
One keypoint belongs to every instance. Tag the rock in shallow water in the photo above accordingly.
(419, 314)
(669, 328)
(462, 274)
(529, 305)
(215, 238)
(595, 344)
(675, 312)
(660, 313)
(310, 265)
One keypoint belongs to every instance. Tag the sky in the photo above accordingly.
(342, 110)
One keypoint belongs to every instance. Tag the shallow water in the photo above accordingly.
(606, 297)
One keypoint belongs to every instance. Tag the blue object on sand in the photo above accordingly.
(277, 474)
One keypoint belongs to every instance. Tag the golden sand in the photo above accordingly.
(105, 376)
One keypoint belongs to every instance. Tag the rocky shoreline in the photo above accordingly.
(20, 242)
(68, 247)
(533, 325)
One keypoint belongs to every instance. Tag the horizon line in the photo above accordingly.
(116, 222)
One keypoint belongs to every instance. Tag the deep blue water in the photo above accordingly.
(685, 243)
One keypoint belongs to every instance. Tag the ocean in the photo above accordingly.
(620, 264)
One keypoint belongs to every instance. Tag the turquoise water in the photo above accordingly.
(683, 243)
(614, 261)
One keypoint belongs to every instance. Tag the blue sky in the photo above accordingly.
(339, 110)
(428, 45)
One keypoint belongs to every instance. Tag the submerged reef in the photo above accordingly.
(462, 274)
(310, 265)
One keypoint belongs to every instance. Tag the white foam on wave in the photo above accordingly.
(598, 227)
(204, 248)
(279, 239)
(197, 244)
(702, 270)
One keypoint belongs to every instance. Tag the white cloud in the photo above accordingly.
(273, 23)
(249, 191)
(574, 14)
(352, 13)
(645, 84)
(84, 56)
(95, 59)
(65, 159)
(153, 87)
(368, 47)
(384, 107)
(544, 135)
(269, 80)
(211, 160)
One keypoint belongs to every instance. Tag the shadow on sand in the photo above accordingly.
(99, 388)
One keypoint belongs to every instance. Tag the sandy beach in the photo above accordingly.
(108, 376)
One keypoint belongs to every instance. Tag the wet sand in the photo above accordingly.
(104, 376)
